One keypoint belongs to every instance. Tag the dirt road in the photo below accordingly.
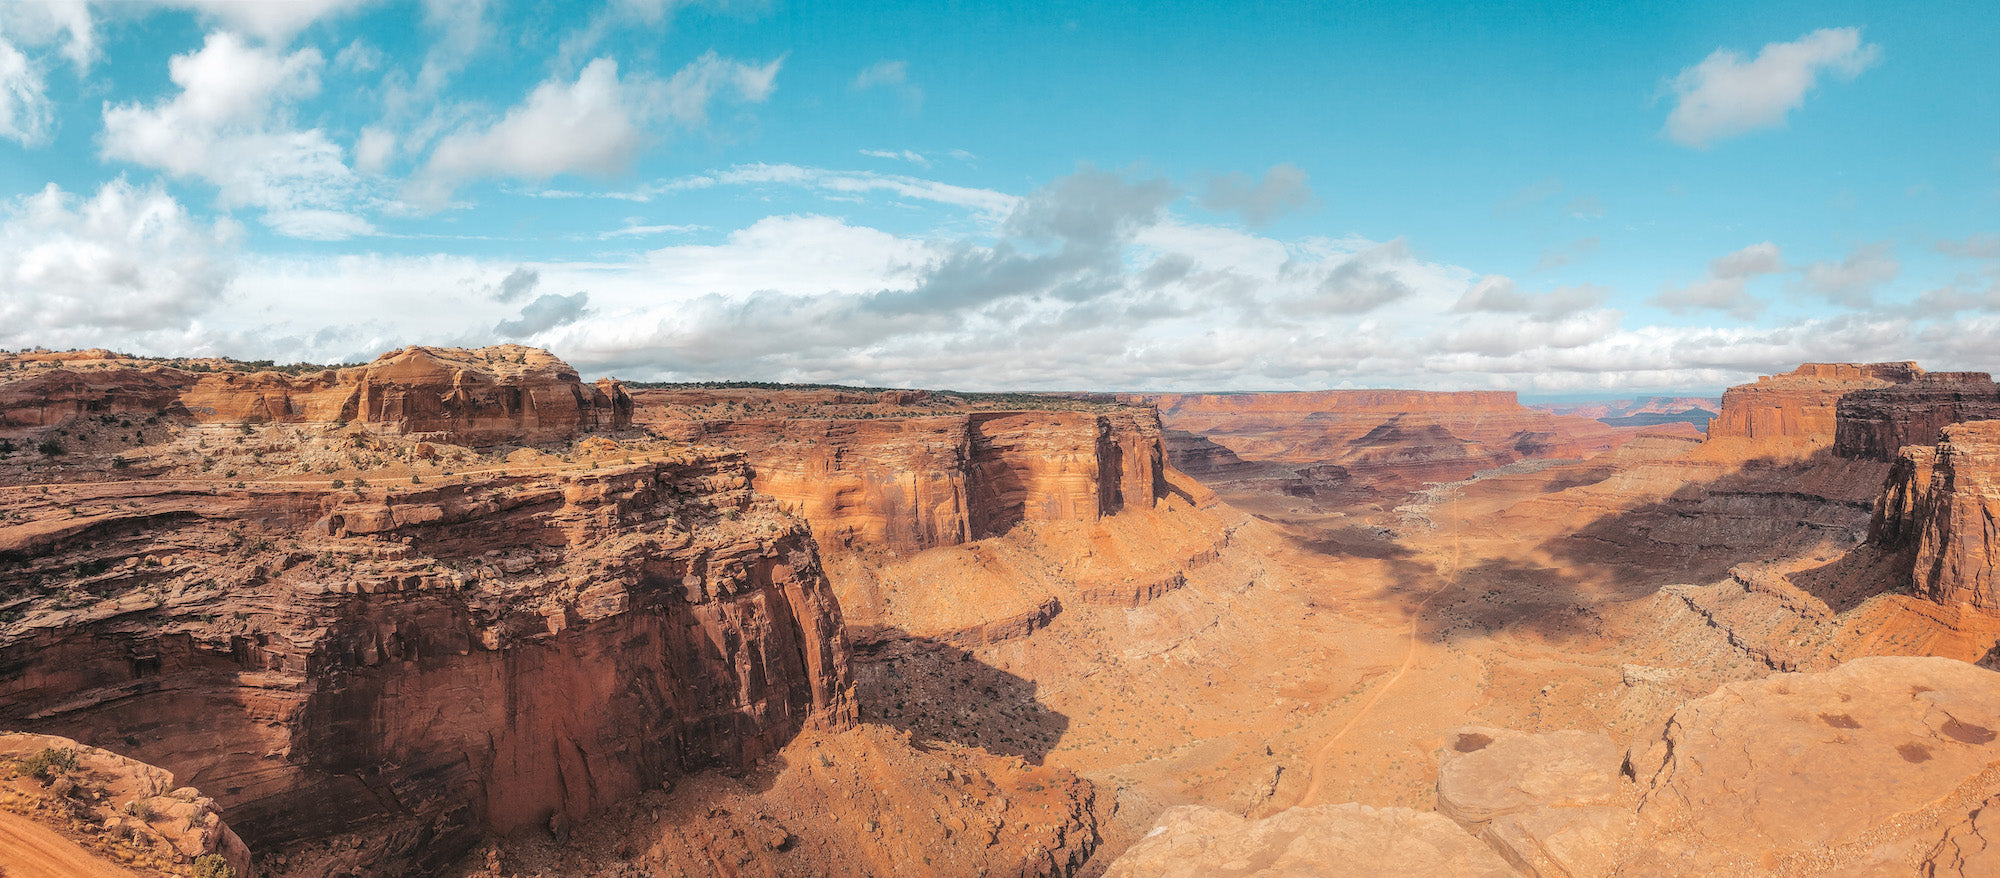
(31, 850)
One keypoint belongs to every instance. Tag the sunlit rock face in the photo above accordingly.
(1938, 507)
(1794, 414)
(1876, 424)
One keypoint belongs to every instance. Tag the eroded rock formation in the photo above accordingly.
(1794, 414)
(412, 667)
(506, 393)
(1937, 508)
(1878, 423)
(912, 483)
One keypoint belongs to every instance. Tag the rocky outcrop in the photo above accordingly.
(485, 396)
(1937, 508)
(122, 809)
(1547, 803)
(1876, 424)
(1193, 841)
(409, 668)
(913, 483)
(1795, 413)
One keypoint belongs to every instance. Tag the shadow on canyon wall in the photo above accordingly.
(942, 692)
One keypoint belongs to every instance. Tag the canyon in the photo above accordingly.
(457, 612)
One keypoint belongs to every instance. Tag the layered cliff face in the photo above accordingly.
(506, 393)
(1393, 439)
(409, 668)
(1794, 414)
(913, 483)
(1937, 508)
(1877, 423)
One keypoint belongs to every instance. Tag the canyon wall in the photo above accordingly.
(912, 483)
(506, 393)
(1937, 509)
(410, 668)
(1877, 423)
(1392, 438)
(1795, 413)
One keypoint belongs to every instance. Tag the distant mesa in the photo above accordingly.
(482, 396)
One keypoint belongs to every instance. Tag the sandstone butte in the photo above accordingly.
(459, 613)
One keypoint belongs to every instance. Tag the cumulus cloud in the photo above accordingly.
(49, 22)
(1853, 280)
(1726, 288)
(519, 282)
(1282, 191)
(546, 312)
(77, 270)
(227, 126)
(1973, 247)
(1499, 294)
(596, 124)
(1724, 95)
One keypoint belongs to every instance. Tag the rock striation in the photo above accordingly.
(1795, 413)
(1876, 424)
(1193, 841)
(913, 483)
(409, 668)
(484, 396)
(1937, 509)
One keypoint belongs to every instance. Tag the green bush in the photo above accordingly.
(48, 764)
(50, 448)
(212, 866)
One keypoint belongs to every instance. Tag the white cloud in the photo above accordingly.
(1726, 288)
(1853, 280)
(1577, 250)
(595, 125)
(1498, 294)
(1724, 95)
(906, 155)
(76, 271)
(49, 21)
(1282, 191)
(25, 113)
(227, 126)
(1973, 247)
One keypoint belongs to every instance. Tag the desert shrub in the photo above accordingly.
(212, 866)
(141, 809)
(51, 448)
(340, 483)
(48, 764)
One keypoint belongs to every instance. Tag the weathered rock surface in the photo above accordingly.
(1549, 803)
(912, 483)
(1794, 414)
(1877, 423)
(123, 809)
(1332, 840)
(1861, 764)
(1938, 507)
(506, 393)
(413, 667)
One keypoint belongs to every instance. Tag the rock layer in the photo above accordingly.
(913, 483)
(416, 666)
(491, 395)
(1795, 413)
(1938, 508)
(1877, 423)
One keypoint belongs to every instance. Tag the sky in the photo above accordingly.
(1561, 199)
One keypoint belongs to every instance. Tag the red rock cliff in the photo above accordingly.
(1938, 507)
(491, 395)
(411, 667)
(911, 483)
(1875, 424)
(1794, 413)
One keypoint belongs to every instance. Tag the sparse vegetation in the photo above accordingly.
(48, 764)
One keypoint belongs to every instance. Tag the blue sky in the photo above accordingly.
(1556, 199)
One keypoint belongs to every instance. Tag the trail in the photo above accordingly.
(1316, 776)
(31, 850)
